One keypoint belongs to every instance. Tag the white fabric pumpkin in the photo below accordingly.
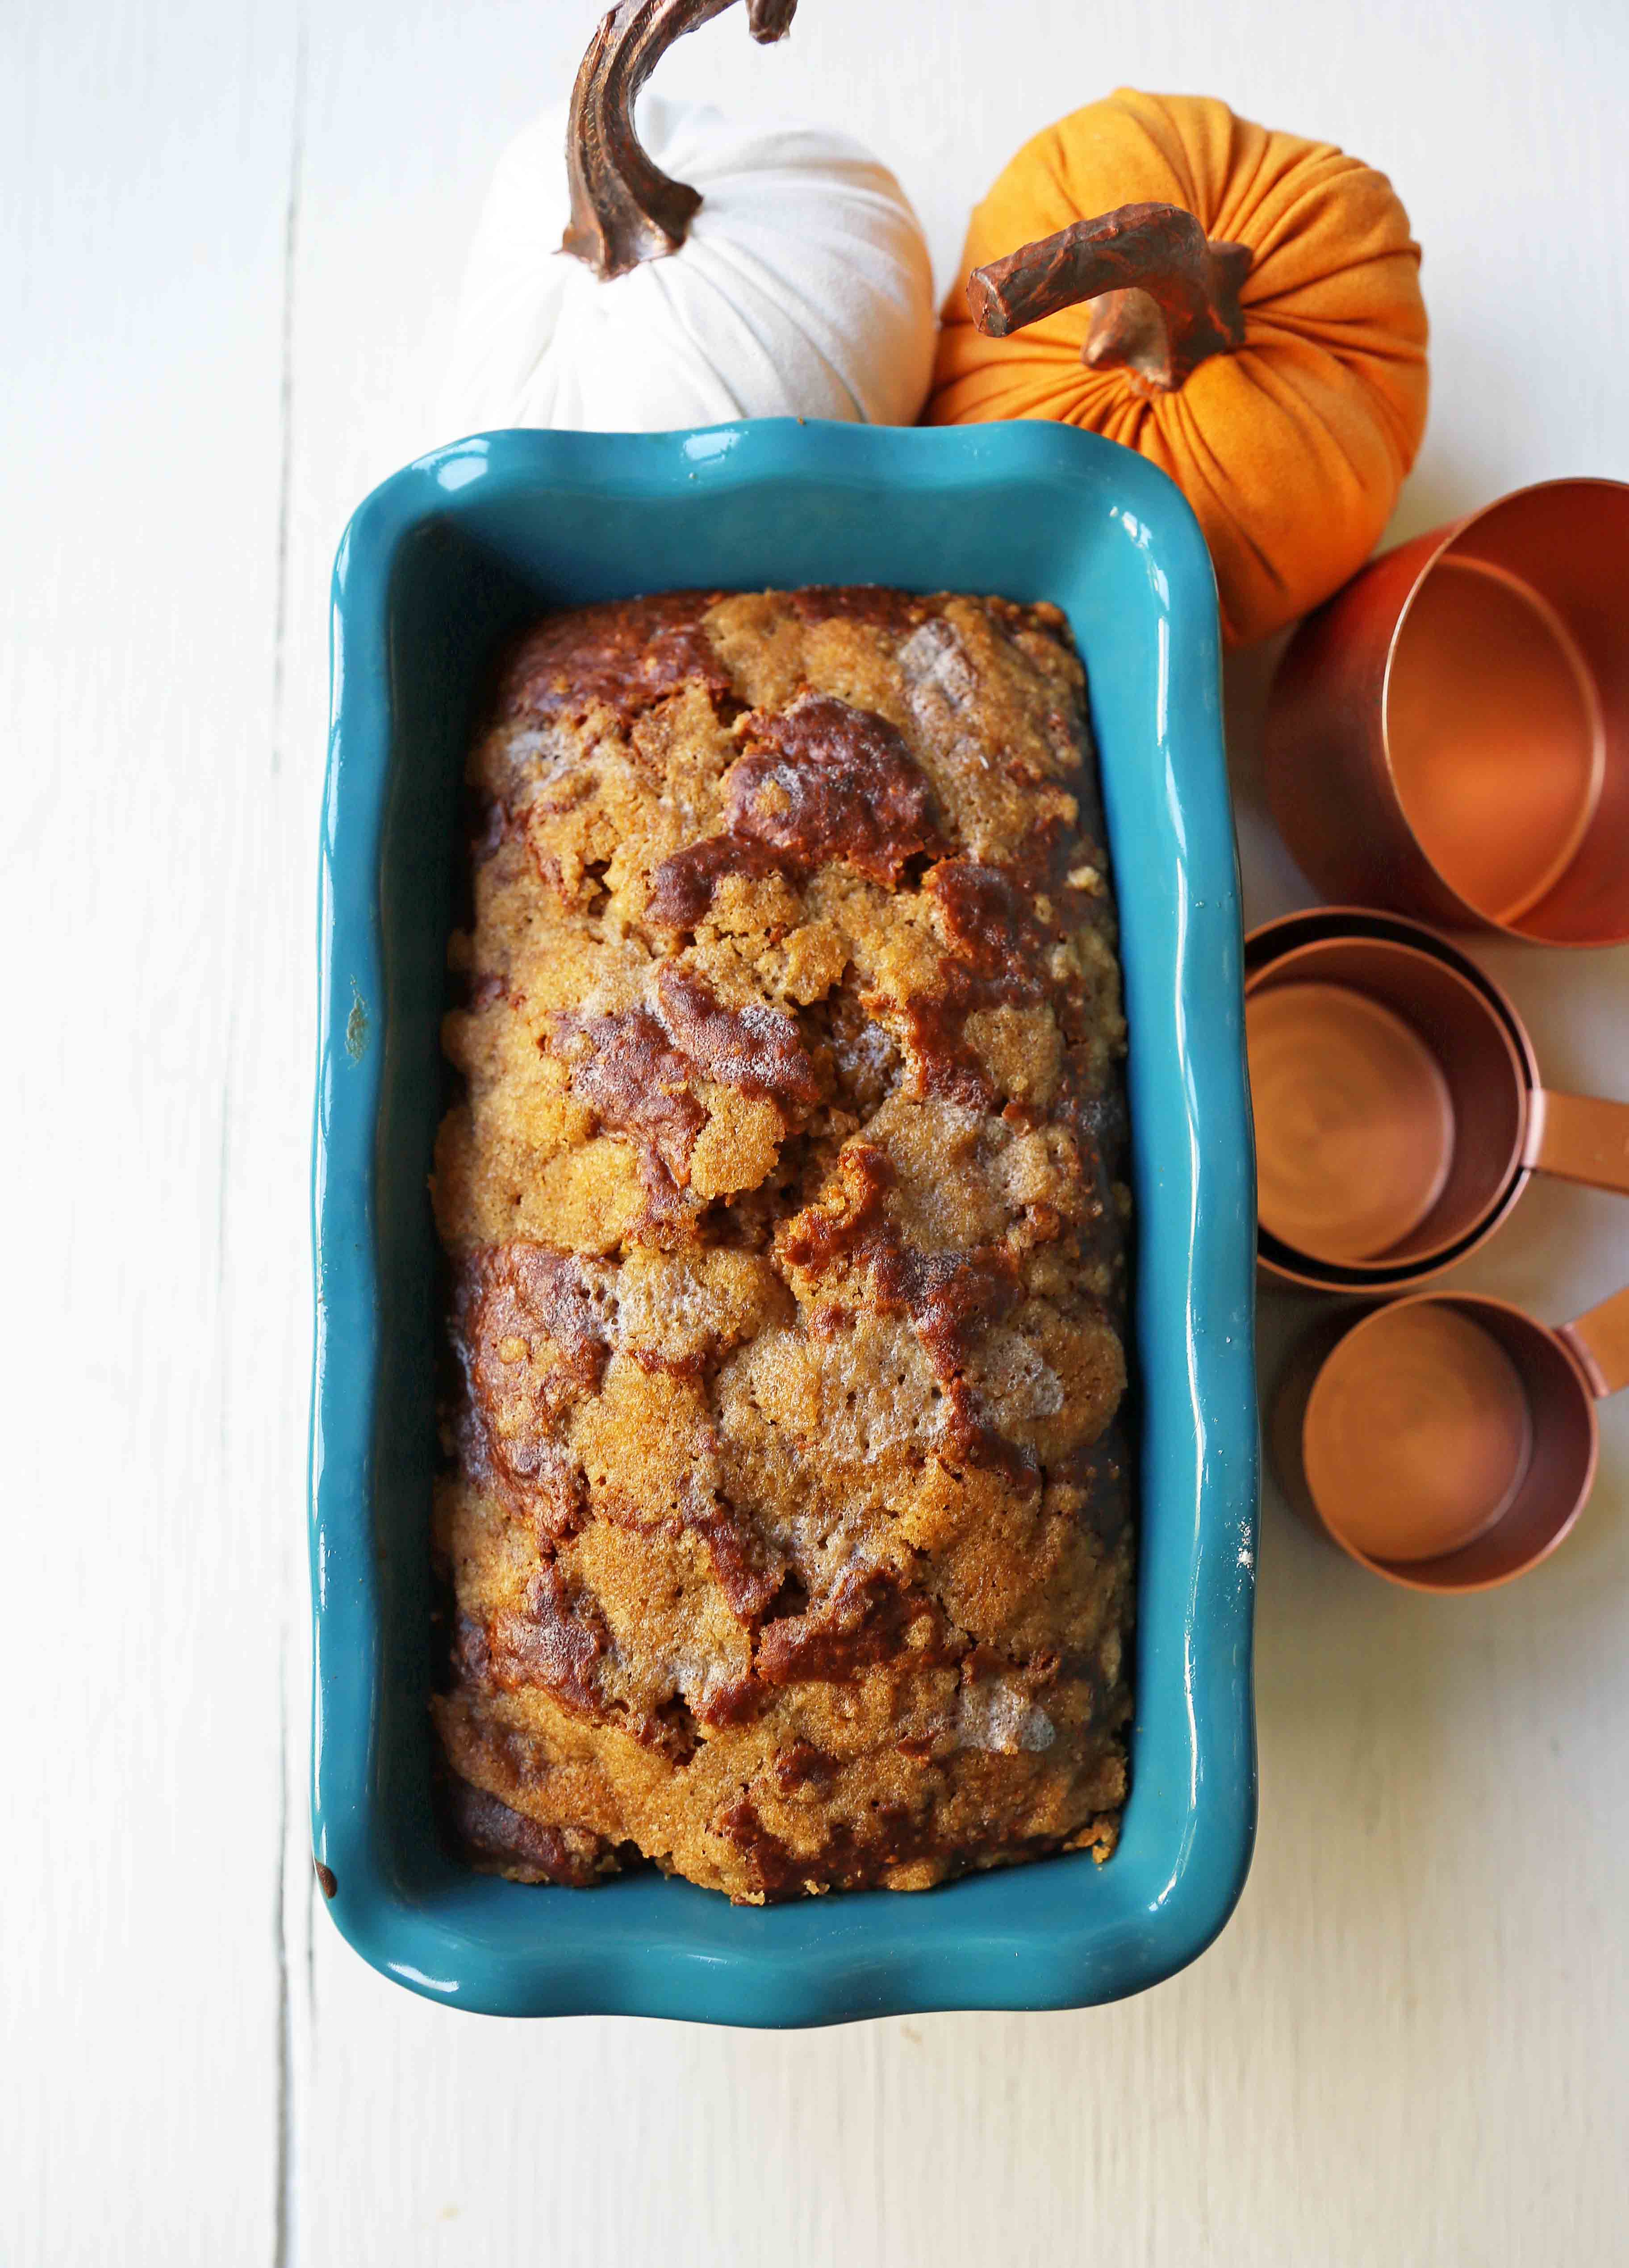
(803, 289)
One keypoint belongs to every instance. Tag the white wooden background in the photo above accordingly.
(231, 231)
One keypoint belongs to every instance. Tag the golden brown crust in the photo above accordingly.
(787, 1520)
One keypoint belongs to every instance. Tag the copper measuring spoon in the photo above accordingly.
(1399, 1109)
(1449, 735)
(1448, 1441)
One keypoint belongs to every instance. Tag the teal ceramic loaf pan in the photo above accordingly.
(437, 567)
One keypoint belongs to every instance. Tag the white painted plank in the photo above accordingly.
(143, 168)
(1407, 1978)
(1425, 1976)
(1409, 2043)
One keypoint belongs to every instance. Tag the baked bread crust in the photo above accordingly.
(786, 1522)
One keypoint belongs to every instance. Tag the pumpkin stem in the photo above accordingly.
(1167, 298)
(625, 210)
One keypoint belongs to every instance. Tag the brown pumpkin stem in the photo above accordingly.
(1167, 298)
(623, 207)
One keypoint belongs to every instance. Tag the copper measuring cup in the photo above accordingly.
(1450, 735)
(1399, 1110)
(1448, 1441)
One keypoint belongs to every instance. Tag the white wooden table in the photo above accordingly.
(231, 231)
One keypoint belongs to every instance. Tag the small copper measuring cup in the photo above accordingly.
(1450, 735)
(1448, 1441)
(1399, 1110)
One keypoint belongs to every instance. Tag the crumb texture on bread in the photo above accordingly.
(786, 1524)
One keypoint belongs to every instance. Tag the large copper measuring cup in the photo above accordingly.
(1446, 1442)
(1450, 735)
(1399, 1109)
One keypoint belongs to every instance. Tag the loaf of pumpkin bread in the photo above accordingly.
(785, 1529)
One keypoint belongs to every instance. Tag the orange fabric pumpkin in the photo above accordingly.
(1290, 447)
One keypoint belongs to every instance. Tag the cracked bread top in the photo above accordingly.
(786, 1520)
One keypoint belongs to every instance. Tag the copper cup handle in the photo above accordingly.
(1600, 1342)
(1580, 1139)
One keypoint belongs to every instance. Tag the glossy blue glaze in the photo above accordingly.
(438, 566)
